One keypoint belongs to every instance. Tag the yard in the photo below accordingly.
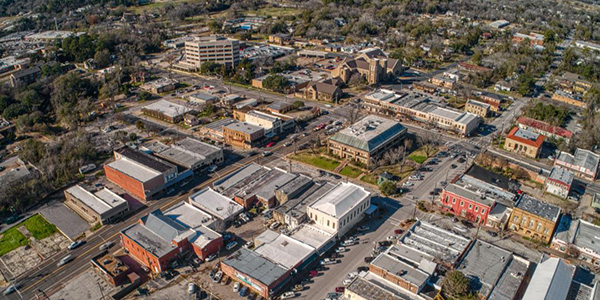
(39, 227)
(316, 160)
(369, 178)
(11, 240)
(351, 172)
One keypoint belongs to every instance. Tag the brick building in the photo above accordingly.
(559, 182)
(584, 163)
(103, 206)
(532, 218)
(524, 142)
(243, 135)
(476, 107)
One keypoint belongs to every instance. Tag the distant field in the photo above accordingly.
(273, 12)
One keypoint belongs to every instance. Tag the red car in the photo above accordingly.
(269, 145)
(398, 231)
(339, 289)
(312, 274)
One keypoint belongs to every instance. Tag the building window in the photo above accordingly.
(483, 210)
(462, 203)
(539, 227)
(476, 208)
(327, 222)
(454, 201)
(524, 221)
(470, 206)
(531, 223)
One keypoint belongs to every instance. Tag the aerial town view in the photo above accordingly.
(300, 149)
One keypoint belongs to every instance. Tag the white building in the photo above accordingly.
(341, 208)
(215, 204)
(551, 280)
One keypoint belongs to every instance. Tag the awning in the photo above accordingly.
(371, 209)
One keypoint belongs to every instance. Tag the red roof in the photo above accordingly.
(545, 127)
(535, 143)
(475, 68)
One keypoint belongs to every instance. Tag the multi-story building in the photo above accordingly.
(577, 238)
(535, 39)
(583, 164)
(140, 174)
(160, 237)
(494, 100)
(573, 83)
(212, 48)
(524, 142)
(544, 128)
(25, 76)
(371, 63)
(461, 122)
(272, 124)
(444, 81)
(571, 99)
(367, 139)
(189, 153)
(243, 135)
(166, 111)
(534, 219)
(103, 206)
(341, 208)
(478, 108)
(559, 182)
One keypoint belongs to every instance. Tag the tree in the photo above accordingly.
(455, 284)
(388, 188)
(102, 58)
(276, 83)
(298, 104)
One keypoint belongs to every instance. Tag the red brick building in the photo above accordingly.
(159, 238)
(140, 174)
(467, 204)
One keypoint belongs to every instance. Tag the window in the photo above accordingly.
(470, 206)
(476, 208)
(327, 222)
(462, 203)
(333, 225)
(454, 201)
(524, 221)
(539, 227)
(531, 223)
(483, 210)
(447, 199)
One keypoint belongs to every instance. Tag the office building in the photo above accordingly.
(534, 219)
(212, 48)
(524, 142)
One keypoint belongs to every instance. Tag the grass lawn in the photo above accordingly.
(369, 178)
(273, 12)
(39, 227)
(317, 161)
(11, 240)
(399, 171)
(351, 172)
(420, 156)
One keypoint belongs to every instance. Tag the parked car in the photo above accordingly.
(352, 275)
(369, 259)
(249, 244)
(346, 281)
(341, 250)
(288, 295)
(75, 244)
(236, 287)
(231, 245)
(267, 153)
(271, 144)
(328, 261)
(298, 287)
(211, 257)
(339, 289)
(362, 269)
(312, 274)
(408, 183)
(243, 291)
(398, 231)
(212, 168)
(492, 233)
(10, 289)
(274, 225)
(191, 288)
(218, 276)
(106, 246)
(364, 228)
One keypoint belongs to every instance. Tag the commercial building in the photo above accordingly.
(315, 237)
(285, 251)
(367, 139)
(478, 108)
(497, 274)
(293, 210)
(214, 130)
(260, 189)
(212, 48)
(371, 287)
(243, 135)
(279, 107)
(524, 142)
(103, 206)
(371, 63)
(215, 204)
(551, 279)
(158, 238)
(189, 153)
(534, 219)
(279, 38)
(571, 99)
(463, 123)
(159, 86)
(166, 111)
(535, 39)
(559, 182)
(341, 208)
(25, 76)
(544, 129)
(111, 268)
(444, 81)
(577, 238)
(584, 163)
(272, 124)
(203, 98)
(399, 273)
(140, 174)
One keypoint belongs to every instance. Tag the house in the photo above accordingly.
(166, 111)
(161, 237)
(535, 39)
(524, 142)
(478, 108)
(371, 63)
(386, 176)
(551, 279)
(494, 100)
(495, 273)
(577, 238)
(25, 76)
(473, 68)
(534, 219)
(243, 135)
(323, 91)
(141, 175)
(573, 83)
(103, 206)
(584, 163)
(544, 128)
(502, 86)
(559, 182)
(367, 139)
(341, 208)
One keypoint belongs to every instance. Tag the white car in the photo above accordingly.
(106, 246)
(274, 225)
(236, 287)
(408, 183)
(352, 275)
(341, 250)
(211, 257)
(288, 295)
(11, 289)
(231, 245)
(191, 288)
(212, 168)
(347, 281)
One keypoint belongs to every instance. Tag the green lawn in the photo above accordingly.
(369, 178)
(273, 12)
(351, 171)
(418, 158)
(39, 227)
(12, 239)
(317, 161)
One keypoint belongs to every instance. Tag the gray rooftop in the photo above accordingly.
(582, 158)
(401, 269)
(188, 152)
(278, 105)
(478, 103)
(235, 177)
(167, 108)
(370, 133)
(218, 125)
(471, 193)
(435, 241)
(467, 118)
(148, 240)
(526, 134)
(384, 95)
(487, 189)
(312, 236)
(203, 97)
(293, 186)
(484, 263)
(545, 210)
(562, 175)
(254, 265)
(446, 113)
(285, 251)
(341, 199)
(101, 202)
(215, 204)
(15, 170)
(264, 187)
(511, 279)
(244, 127)
(373, 287)
(134, 170)
(578, 232)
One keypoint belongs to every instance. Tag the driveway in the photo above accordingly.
(67, 221)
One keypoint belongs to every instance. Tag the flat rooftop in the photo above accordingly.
(495, 179)
(370, 286)
(551, 279)
(447, 113)
(244, 127)
(218, 125)
(134, 170)
(341, 199)
(486, 189)
(235, 177)
(537, 207)
(484, 263)
(265, 186)
(144, 159)
(369, 133)
(285, 251)
(561, 175)
(101, 202)
(401, 269)
(511, 279)
(188, 152)
(471, 193)
(312, 236)
(168, 108)
(188, 215)
(478, 103)
(255, 265)
(435, 241)
(587, 235)
(14, 170)
(148, 240)
(384, 95)
(215, 204)
(582, 158)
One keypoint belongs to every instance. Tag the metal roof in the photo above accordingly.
(545, 210)
(167, 108)
(560, 174)
(148, 240)
(469, 193)
(244, 127)
(162, 225)
(256, 266)
(370, 133)
(285, 251)
(215, 204)
(551, 280)
(103, 201)
(134, 170)
(582, 158)
(341, 199)
(399, 268)
(144, 159)
(484, 264)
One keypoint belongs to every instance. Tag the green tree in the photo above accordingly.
(526, 84)
(298, 104)
(102, 58)
(276, 83)
(455, 284)
(388, 188)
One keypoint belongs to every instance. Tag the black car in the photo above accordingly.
(363, 268)
(369, 259)
(461, 160)
(492, 233)
(213, 272)
(453, 166)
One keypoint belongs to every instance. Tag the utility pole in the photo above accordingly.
(101, 291)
